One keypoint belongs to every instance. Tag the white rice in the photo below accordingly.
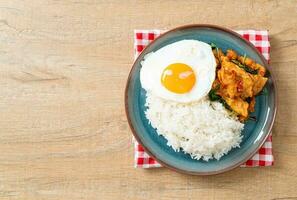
(204, 129)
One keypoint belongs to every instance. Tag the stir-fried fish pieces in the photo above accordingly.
(238, 105)
(239, 80)
(235, 81)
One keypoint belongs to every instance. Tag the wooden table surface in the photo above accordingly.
(63, 69)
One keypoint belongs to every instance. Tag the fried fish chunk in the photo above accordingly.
(238, 105)
(252, 104)
(261, 69)
(231, 54)
(235, 81)
(259, 83)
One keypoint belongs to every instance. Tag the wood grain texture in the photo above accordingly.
(63, 68)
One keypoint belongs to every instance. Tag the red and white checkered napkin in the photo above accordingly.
(260, 39)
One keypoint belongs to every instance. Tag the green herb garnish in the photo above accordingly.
(213, 45)
(244, 57)
(213, 96)
(249, 99)
(246, 68)
(252, 118)
(222, 101)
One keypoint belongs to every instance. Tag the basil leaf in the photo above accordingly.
(246, 68)
(213, 96)
(213, 45)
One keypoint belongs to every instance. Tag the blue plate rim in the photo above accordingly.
(248, 156)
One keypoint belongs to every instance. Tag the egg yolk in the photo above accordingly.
(178, 78)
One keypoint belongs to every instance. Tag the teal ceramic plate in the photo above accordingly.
(254, 133)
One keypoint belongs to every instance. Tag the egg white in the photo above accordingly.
(198, 55)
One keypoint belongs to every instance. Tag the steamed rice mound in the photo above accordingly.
(203, 129)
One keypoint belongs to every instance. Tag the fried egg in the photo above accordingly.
(182, 71)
